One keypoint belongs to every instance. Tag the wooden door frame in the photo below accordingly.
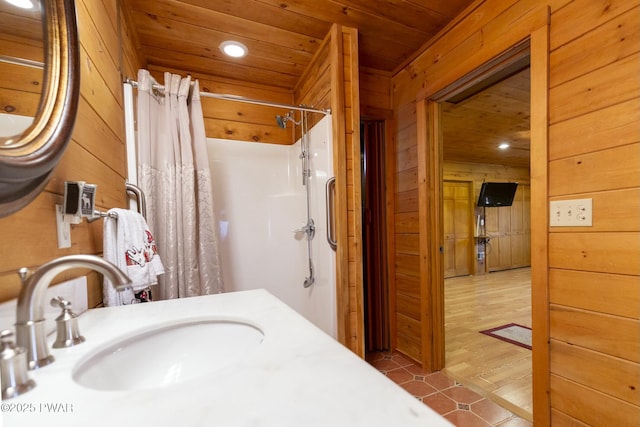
(430, 177)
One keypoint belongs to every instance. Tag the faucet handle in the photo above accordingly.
(66, 324)
(61, 303)
(13, 367)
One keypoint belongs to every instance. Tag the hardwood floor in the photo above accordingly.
(494, 368)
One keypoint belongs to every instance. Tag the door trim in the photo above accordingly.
(429, 138)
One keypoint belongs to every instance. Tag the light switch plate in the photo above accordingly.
(571, 213)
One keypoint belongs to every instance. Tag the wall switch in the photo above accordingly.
(63, 228)
(571, 213)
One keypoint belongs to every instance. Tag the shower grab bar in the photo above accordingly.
(140, 198)
(330, 190)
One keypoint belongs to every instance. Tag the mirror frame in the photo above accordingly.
(27, 160)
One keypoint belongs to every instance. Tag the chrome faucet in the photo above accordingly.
(30, 333)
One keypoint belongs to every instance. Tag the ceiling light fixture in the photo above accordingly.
(233, 48)
(504, 146)
(24, 4)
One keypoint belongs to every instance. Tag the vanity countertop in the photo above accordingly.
(298, 376)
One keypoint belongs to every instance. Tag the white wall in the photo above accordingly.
(259, 200)
(13, 124)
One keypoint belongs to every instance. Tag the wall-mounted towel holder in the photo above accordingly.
(138, 196)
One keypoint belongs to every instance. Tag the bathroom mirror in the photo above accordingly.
(28, 157)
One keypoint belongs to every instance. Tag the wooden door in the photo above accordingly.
(509, 229)
(457, 228)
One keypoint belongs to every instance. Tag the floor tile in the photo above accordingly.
(385, 365)
(440, 403)
(462, 394)
(460, 405)
(515, 422)
(399, 375)
(439, 381)
(466, 419)
(418, 388)
(490, 411)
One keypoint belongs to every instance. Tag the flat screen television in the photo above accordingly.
(496, 194)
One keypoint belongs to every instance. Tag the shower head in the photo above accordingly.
(282, 120)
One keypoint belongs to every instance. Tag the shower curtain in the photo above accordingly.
(173, 171)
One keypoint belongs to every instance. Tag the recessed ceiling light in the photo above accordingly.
(233, 48)
(24, 4)
(504, 146)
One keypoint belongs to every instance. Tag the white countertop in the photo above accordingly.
(298, 376)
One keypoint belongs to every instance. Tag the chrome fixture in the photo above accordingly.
(66, 325)
(306, 174)
(289, 117)
(30, 321)
(13, 368)
(138, 195)
(330, 190)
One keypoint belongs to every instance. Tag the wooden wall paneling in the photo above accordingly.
(375, 94)
(132, 57)
(539, 224)
(592, 50)
(594, 91)
(235, 120)
(576, 20)
(95, 154)
(99, 139)
(609, 127)
(340, 172)
(243, 131)
(560, 419)
(603, 333)
(20, 86)
(614, 294)
(585, 172)
(606, 252)
(21, 23)
(352, 100)
(614, 376)
(525, 15)
(595, 49)
(19, 102)
(611, 213)
(590, 406)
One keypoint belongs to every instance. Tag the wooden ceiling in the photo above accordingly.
(474, 127)
(282, 35)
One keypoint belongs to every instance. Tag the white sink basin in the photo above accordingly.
(166, 355)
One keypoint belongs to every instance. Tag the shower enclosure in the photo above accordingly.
(270, 202)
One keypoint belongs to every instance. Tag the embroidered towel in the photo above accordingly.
(129, 244)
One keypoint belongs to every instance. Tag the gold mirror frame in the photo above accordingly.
(27, 161)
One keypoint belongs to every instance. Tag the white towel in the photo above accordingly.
(129, 245)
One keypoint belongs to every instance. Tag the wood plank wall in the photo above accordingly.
(332, 81)
(236, 120)
(96, 154)
(477, 173)
(20, 37)
(593, 151)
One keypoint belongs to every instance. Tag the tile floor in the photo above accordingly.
(460, 405)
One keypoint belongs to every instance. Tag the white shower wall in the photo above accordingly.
(259, 202)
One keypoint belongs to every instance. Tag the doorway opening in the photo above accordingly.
(376, 290)
(486, 276)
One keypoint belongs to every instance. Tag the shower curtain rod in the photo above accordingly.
(237, 98)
